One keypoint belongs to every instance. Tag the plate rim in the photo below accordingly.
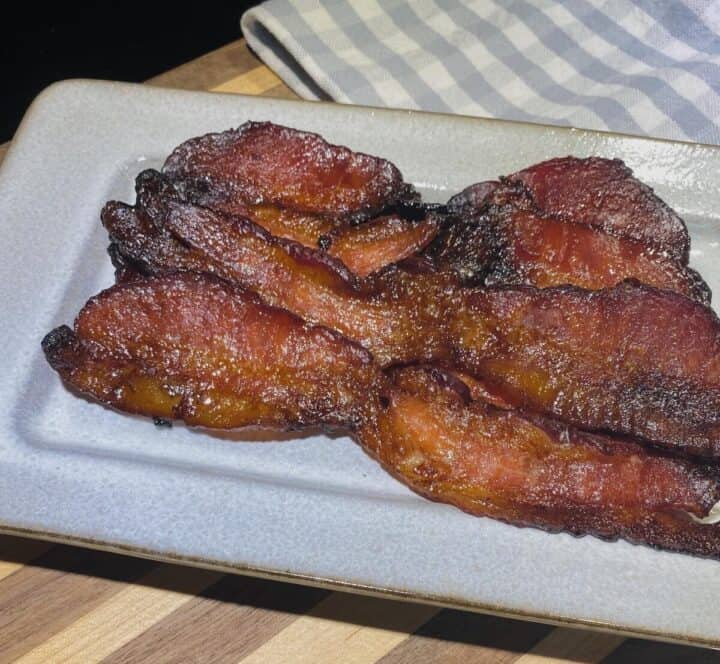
(51, 89)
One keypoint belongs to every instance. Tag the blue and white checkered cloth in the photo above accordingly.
(641, 67)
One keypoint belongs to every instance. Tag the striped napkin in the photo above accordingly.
(641, 67)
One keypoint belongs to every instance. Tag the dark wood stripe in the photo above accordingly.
(41, 599)
(21, 550)
(463, 637)
(223, 624)
(639, 650)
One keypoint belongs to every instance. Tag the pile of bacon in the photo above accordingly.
(537, 350)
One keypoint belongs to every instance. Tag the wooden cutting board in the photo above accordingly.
(65, 604)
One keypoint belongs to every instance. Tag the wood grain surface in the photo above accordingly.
(65, 604)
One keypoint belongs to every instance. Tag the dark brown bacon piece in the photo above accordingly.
(498, 233)
(263, 164)
(533, 471)
(525, 247)
(301, 227)
(371, 246)
(297, 186)
(630, 359)
(384, 313)
(603, 194)
(194, 348)
(363, 248)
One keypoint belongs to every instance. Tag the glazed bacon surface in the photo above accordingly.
(195, 348)
(363, 248)
(534, 249)
(265, 163)
(531, 471)
(293, 183)
(371, 246)
(498, 234)
(593, 224)
(384, 313)
(631, 359)
(603, 193)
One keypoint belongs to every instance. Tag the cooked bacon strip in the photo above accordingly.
(535, 472)
(497, 234)
(602, 193)
(363, 248)
(302, 227)
(261, 163)
(384, 313)
(525, 247)
(142, 244)
(194, 348)
(631, 359)
(297, 186)
(144, 239)
(371, 246)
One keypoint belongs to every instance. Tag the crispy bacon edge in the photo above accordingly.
(604, 193)
(261, 163)
(499, 233)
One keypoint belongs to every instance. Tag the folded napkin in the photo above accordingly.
(641, 67)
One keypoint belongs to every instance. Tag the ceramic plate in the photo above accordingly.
(317, 509)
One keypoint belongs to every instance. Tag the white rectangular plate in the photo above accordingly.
(316, 509)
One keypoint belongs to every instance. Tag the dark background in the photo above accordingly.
(126, 41)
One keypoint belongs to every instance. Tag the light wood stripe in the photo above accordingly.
(571, 645)
(255, 82)
(50, 594)
(121, 618)
(16, 552)
(281, 91)
(227, 622)
(347, 628)
(210, 69)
